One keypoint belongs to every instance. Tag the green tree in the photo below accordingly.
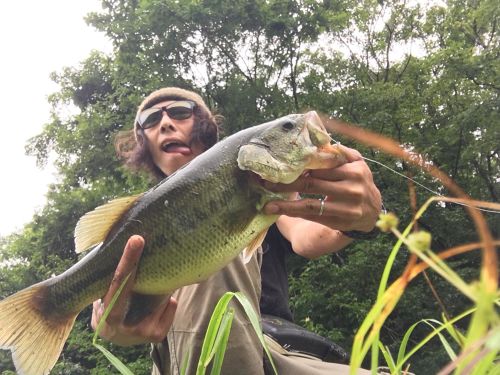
(427, 76)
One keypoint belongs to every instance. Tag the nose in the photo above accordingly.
(166, 122)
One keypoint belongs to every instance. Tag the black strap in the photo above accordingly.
(295, 338)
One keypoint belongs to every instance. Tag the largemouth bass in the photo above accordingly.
(194, 223)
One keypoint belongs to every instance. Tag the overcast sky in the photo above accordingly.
(36, 38)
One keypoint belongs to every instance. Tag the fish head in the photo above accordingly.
(289, 146)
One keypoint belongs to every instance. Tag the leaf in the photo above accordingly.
(446, 345)
(388, 357)
(219, 328)
(212, 329)
(108, 309)
(404, 343)
(256, 325)
(114, 361)
(221, 341)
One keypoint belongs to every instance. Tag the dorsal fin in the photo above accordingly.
(93, 227)
(253, 246)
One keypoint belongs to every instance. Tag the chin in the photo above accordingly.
(174, 165)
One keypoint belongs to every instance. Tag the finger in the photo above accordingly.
(106, 331)
(350, 154)
(354, 170)
(318, 181)
(168, 314)
(165, 319)
(311, 208)
(153, 328)
(96, 314)
(337, 190)
(304, 184)
(126, 266)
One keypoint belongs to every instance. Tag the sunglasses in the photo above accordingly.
(179, 110)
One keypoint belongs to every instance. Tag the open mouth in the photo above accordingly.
(317, 131)
(176, 147)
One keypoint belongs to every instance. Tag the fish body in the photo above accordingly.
(194, 223)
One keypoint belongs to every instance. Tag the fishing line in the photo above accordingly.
(425, 187)
(418, 183)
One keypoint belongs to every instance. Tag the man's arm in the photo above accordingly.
(309, 239)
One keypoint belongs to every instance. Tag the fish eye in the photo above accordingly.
(288, 126)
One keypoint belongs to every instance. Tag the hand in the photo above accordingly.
(352, 202)
(153, 328)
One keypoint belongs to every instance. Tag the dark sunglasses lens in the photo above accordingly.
(179, 113)
(152, 119)
(180, 110)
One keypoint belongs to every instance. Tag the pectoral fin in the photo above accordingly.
(253, 246)
(93, 227)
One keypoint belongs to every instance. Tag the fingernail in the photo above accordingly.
(271, 208)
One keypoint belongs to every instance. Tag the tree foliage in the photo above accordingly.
(426, 75)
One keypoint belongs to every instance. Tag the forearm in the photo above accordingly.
(310, 239)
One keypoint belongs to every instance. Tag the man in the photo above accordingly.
(171, 128)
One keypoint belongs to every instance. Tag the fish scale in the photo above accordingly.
(204, 251)
(193, 222)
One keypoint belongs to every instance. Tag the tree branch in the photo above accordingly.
(400, 74)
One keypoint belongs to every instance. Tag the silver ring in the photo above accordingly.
(322, 206)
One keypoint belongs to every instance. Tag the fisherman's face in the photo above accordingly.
(169, 141)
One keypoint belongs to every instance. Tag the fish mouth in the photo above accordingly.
(289, 147)
(317, 131)
(259, 144)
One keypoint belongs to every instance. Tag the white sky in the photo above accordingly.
(36, 38)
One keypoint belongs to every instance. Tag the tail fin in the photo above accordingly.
(36, 341)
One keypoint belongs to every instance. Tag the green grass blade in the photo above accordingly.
(454, 333)
(357, 348)
(111, 358)
(108, 310)
(388, 357)
(212, 329)
(493, 342)
(221, 343)
(482, 319)
(406, 338)
(381, 289)
(256, 324)
(185, 362)
(217, 334)
(225, 325)
(114, 361)
(417, 347)
(404, 342)
(439, 266)
(487, 365)
(444, 342)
